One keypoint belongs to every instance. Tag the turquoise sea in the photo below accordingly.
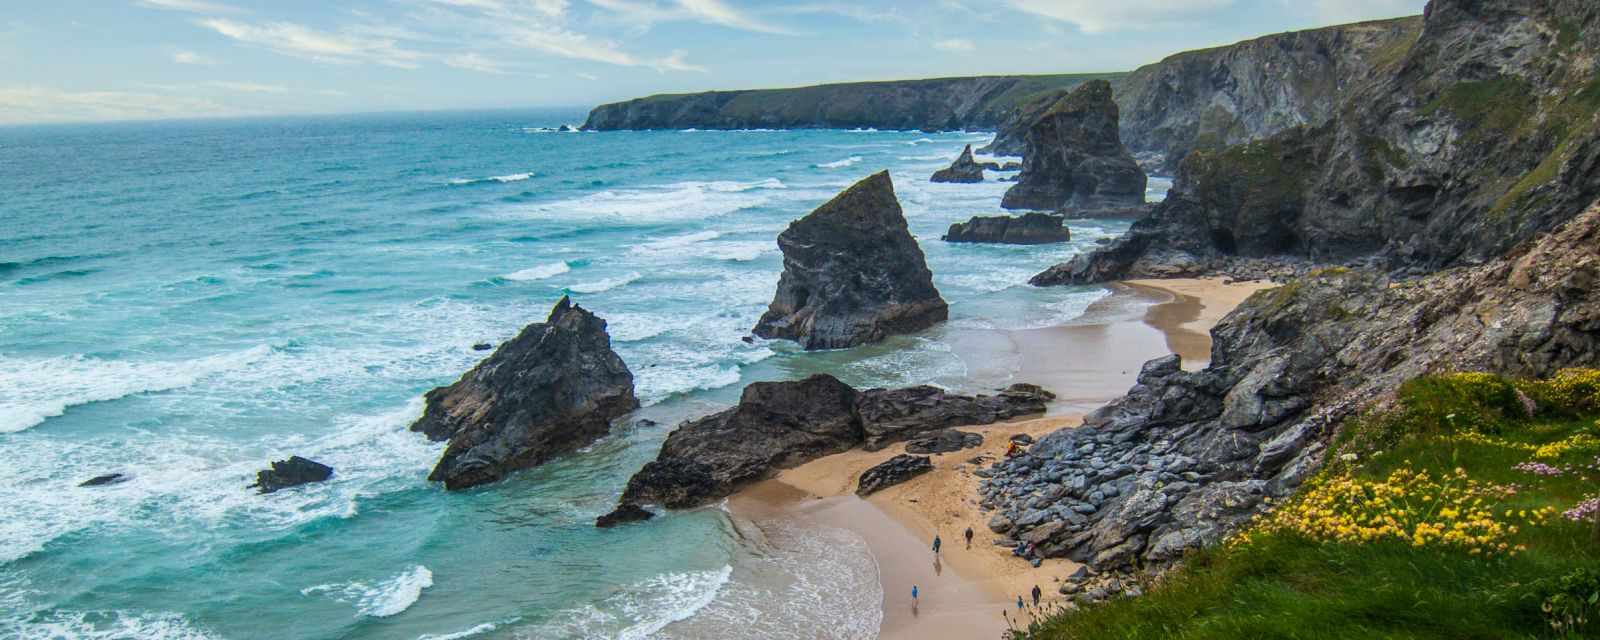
(185, 302)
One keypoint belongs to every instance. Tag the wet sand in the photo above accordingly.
(1087, 363)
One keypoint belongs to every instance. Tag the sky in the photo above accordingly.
(92, 60)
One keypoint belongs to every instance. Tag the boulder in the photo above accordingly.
(554, 388)
(623, 514)
(104, 480)
(892, 472)
(1030, 228)
(852, 274)
(1074, 157)
(291, 473)
(892, 415)
(482, 346)
(943, 441)
(964, 169)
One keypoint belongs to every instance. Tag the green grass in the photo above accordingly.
(1494, 106)
(1283, 585)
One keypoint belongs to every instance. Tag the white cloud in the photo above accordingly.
(1342, 11)
(1097, 16)
(675, 62)
(251, 87)
(190, 57)
(587, 76)
(715, 12)
(33, 104)
(191, 6)
(956, 45)
(473, 61)
(296, 40)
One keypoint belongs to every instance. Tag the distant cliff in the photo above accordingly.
(936, 104)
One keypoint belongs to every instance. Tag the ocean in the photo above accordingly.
(184, 302)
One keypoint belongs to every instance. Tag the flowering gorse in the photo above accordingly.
(1450, 511)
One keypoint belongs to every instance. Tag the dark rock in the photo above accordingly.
(778, 425)
(1022, 439)
(943, 441)
(852, 274)
(892, 415)
(892, 472)
(1074, 157)
(964, 169)
(482, 346)
(1030, 228)
(554, 388)
(623, 514)
(291, 473)
(1010, 166)
(104, 480)
(1108, 213)
(566, 128)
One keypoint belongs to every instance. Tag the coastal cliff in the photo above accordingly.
(934, 104)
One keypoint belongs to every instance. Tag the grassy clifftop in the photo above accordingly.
(1466, 510)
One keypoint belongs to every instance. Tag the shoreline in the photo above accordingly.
(1087, 362)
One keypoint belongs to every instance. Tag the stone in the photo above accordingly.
(891, 415)
(891, 472)
(943, 441)
(105, 480)
(482, 346)
(852, 274)
(293, 472)
(551, 390)
(1073, 156)
(624, 513)
(964, 169)
(1029, 228)
(1000, 523)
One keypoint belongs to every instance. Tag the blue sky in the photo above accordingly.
(74, 60)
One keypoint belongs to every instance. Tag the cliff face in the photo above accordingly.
(1478, 137)
(934, 104)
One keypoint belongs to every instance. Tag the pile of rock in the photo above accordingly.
(964, 169)
(1030, 228)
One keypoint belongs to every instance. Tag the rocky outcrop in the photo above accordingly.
(891, 472)
(623, 514)
(964, 169)
(928, 105)
(852, 274)
(891, 415)
(778, 425)
(1029, 228)
(1187, 456)
(293, 472)
(943, 441)
(554, 388)
(105, 480)
(1073, 156)
(1476, 137)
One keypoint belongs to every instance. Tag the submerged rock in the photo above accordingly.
(1030, 228)
(554, 388)
(1074, 157)
(291, 473)
(964, 169)
(107, 479)
(778, 425)
(943, 441)
(892, 472)
(623, 514)
(852, 274)
(482, 346)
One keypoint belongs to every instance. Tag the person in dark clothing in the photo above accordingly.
(969, 537)
(1036, 594)
(936, 543)
(1019, 603)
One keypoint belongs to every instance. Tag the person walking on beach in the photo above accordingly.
(913, 596)
(969, 537)
(1019, 603)
(1036, 594)
(936, 543)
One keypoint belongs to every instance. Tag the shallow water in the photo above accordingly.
(186, 301)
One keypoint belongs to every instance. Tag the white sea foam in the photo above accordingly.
(540, 272)
(640, 610)
(381, 599)
(103, 625)
(839, 164)
(675, 242)
(649, 205)
(513, 177)
(920, 141)
(607, 284)
(738, 251)
(468, 633)
(34, 390)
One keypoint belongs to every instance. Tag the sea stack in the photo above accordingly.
(964, 169)
(554, 388)
(1029, 228)
(1074, 158)
(852, 274)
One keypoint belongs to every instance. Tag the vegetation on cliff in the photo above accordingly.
(1466, 509)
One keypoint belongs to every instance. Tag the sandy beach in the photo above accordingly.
(1086, 362)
